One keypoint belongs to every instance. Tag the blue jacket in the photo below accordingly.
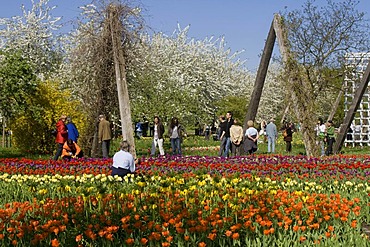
(271, 130)
(72, 131)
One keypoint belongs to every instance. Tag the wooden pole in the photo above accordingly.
(261, 76)
(352, 110)
(122, 89)
(336, 103)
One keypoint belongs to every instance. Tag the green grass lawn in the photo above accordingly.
(192, 145)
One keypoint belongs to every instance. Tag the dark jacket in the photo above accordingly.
(289, 136)
(160, 129)
(222, 127)
(228, 125)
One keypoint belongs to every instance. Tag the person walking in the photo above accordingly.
(272, 135)
(176, 133)
(61, 136)
(72, 130)
(236, 137)
(105, 135)
(123, 161)
(288, 138)
(226, 135)
(330, 132)
(158, 136)
(250, 138)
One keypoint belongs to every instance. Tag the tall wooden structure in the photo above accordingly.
(277, 31)
(261, 76)
(359, 92)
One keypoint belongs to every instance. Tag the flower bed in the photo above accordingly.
(186, 201)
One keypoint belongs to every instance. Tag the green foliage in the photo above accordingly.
(32, 127)
(236, 104)
(17, 82)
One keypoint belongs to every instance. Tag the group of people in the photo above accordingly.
(176, 132)
(232, 138)
(234, 142)
(325, 133)
(66, 139)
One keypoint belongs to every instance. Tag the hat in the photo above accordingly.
(101, 116)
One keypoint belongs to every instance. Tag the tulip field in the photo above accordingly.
(258, 200)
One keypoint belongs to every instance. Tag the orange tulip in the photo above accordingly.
(55, 243)
(79, 238)
(212, 236)
(202, 244)
(130, 241)
(144, 241)
(235, 236)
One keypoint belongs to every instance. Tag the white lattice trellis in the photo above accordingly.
(356, 65)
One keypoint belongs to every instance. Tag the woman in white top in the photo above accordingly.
(176, 133)
(251, 137)
(321, 133)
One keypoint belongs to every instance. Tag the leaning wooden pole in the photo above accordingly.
(352, 110)
(336, 103)
(301, 103)
(261, 76)
(116, 30)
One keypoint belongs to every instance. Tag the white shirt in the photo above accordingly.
(322, 128)
(251, 131)
(175, 134)
(155, 131)
(125, 160)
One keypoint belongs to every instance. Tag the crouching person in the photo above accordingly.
(71, 150)
(123, 161)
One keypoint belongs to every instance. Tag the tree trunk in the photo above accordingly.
(301, 90)
(122, 90)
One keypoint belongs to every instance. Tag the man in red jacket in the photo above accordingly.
(61, 137)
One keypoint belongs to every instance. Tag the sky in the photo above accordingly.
(244, 24)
